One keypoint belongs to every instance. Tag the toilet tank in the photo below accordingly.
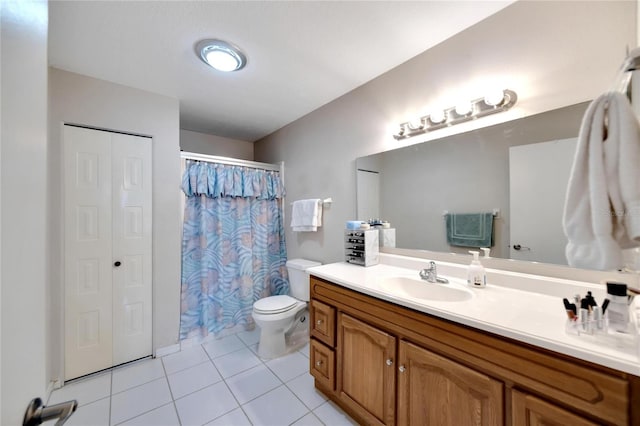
(298, 277)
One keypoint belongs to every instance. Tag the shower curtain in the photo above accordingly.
(233, 247)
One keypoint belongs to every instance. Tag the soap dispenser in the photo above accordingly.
(476, 277)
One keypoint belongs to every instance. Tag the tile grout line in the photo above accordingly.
(283, 383)
(173, 401)
(110, 397)
(137, 386)
(227, 386)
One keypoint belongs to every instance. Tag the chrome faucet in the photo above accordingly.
(430, 274)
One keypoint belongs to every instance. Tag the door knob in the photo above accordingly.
(37, 413)
(117, 263)
(519, 247)
(402, 369)
(389, 362)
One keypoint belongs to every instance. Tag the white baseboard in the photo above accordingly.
(51, 386)
(166, 350)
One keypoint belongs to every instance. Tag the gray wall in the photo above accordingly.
(215, 145)
(553, 54)
(23, 227)
(78, 99)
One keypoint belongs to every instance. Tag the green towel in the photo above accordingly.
(470, 229)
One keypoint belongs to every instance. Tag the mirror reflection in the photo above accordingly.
(517, 170)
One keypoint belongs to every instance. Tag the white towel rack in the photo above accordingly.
(496, 213)
(324, 201)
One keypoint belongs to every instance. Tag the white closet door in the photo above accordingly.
(108, 287)
(88, 270)
(131, 157)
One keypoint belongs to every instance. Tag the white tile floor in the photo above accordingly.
(222, 382)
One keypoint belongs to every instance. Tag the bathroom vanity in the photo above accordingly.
(398, 357)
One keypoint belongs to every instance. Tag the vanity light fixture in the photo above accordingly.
(494, 102)
(221, 55)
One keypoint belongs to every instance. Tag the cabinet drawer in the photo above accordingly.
(529, 410)
(322, 364)
(323, 320)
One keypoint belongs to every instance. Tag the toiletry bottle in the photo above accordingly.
(618, 311)
(476, 277)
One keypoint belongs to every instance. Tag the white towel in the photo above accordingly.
(306, 215)
(602, 209)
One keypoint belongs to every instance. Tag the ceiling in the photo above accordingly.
(301, 54)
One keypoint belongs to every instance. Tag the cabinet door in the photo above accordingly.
(366, 370)
(433, 390)
(528, 410)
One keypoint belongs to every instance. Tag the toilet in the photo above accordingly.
(277, 316)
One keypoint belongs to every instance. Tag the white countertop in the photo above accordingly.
(504, 307)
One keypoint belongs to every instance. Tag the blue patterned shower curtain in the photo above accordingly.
(233, 248)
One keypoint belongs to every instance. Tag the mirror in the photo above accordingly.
(414, 186)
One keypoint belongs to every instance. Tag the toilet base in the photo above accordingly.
(276, 344)
(272, 345)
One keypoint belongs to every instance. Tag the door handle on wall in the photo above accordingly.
(117, 263)
(37, 413)
(519, 247)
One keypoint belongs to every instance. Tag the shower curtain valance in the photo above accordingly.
(219, 180)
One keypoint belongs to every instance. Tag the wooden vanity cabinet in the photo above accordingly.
(385, 364)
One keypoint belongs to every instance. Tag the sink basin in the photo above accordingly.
(420, 289)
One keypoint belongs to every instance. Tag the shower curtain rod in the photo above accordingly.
(230, 161)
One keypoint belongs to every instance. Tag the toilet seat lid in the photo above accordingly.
(275, 304)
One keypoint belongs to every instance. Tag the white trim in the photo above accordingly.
(51, 386)
(230, 161)
(166, 350)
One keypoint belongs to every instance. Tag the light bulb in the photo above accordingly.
(463, 108)
(416, 124)
(222, 60)
(494, 98)
(437, 116)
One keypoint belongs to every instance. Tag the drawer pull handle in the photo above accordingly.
(401, 368)
(389, 362)
(319, 322)
(318, 363)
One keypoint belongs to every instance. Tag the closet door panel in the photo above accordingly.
(132, 228)
(87, 267)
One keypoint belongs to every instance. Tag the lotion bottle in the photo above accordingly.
(476, 277)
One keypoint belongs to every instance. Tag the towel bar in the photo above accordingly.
(496, 213)
(325, 201)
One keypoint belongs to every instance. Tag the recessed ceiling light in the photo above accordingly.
(221, 55)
